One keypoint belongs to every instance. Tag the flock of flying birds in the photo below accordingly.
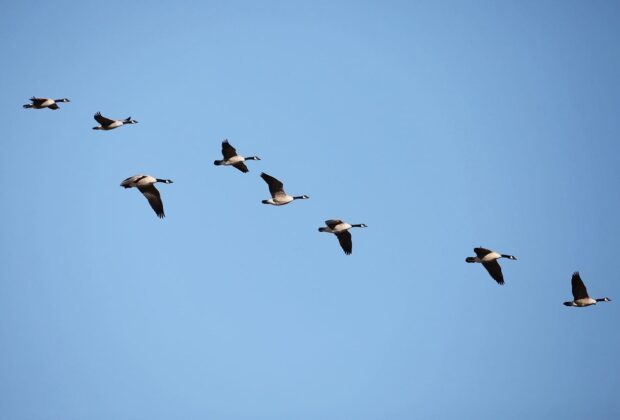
(146, 185)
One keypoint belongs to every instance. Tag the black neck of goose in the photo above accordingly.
(359, 225)
(300, 197)
(252, 158)
(510, 257)
(605, 299)
(61, 100)
(165, 181)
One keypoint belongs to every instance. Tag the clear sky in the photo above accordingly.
(442, 125)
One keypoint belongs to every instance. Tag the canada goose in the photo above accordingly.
(108, 124)
(231, 158)
(489, 259)
(580, 293)
(278, 196)
(40, 103)
(146, 185)
(341, 230)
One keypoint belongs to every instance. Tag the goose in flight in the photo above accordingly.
(40, 103)
(278, 196)
(580, 293)
(341, 228)
(146, 185)
(110, 124)
(231, 158)
(489, 259)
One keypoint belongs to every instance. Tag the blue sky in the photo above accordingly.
(442, 125)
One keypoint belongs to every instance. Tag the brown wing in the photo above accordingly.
(481, 252)
(332, 223)
(227, 150)
(241, 166)
(345, 241)
(102, 120)
(579, 289)
(494, 270)
(275, 187)
(152, 195)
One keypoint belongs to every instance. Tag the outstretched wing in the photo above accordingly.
(227, 150)
(241, 166)
(579, 289)
(346, 243)
(494, 270)
(102, 120)
(275, 187)
(152, 195)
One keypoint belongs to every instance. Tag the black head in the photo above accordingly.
(128, 120)
(165, 181)
(62, 100)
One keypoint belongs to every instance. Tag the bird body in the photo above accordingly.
(278, 196)
(582, 302)
(488, 259)
(231, 161)
(279, 200)
(138, 181)
(341, 228)
(580, 293)
(491, 256)
(40, 103)
(110, 124)
(146, 185)
(231, 158)
(336, 226)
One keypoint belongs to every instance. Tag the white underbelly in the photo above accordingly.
(341, 227)
(233, 160)
(115, 124)
(585, 302)
(490, 257)
(281, 200)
